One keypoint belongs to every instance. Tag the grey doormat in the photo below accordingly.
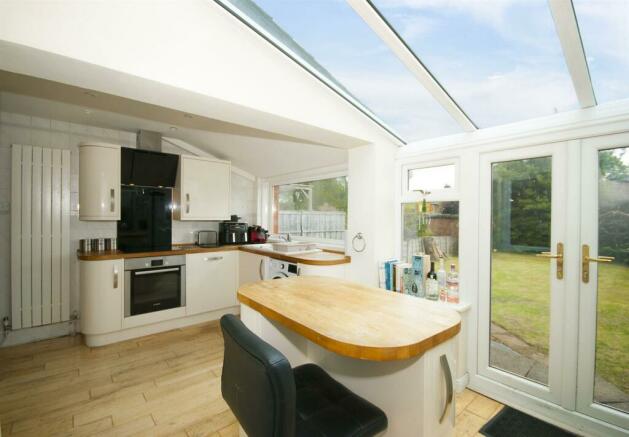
(514, 423)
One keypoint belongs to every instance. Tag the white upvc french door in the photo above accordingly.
(522, 269)
(603, 349)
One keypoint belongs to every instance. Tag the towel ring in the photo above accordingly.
(359, 236)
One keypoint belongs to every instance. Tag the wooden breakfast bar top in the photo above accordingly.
(351, 319)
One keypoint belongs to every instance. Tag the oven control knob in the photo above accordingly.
(282, 266)
(146, 264)
(166, 262)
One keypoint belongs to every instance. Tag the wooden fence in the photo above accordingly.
(448, 245)
(315, 224)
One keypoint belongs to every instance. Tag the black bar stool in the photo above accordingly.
(271, 399)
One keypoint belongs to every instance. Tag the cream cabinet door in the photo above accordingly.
(204, 188)
(251, 267)
(211, 280)
(99, 182)
(102, 292)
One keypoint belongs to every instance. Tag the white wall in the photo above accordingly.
(188, 55)
(371, 207)
(36, 131)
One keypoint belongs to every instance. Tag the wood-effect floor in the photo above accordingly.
(164, 384)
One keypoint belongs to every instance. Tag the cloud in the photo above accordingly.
(485, 11)
(401, 102)
(605, 28)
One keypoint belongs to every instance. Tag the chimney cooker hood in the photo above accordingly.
(147, 166)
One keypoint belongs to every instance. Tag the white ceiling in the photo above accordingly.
(263, 157)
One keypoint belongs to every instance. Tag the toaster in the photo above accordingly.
(207, 238)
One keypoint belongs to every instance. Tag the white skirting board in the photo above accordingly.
(40, 236)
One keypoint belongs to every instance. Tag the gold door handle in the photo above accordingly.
(586, 259)
(549, 255)
(601, 259)
(558, 256)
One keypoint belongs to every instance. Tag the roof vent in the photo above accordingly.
(149, 140)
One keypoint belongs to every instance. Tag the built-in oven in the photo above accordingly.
(154, 284)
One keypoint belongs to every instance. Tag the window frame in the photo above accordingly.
(443, 195)
(404, 195)
(266, 196)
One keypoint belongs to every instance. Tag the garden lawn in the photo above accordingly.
(520, 304)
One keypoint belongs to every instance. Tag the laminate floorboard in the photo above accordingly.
(165, 384)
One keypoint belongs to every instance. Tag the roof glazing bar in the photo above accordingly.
(374, 19)
(572, 46)
(242, 17)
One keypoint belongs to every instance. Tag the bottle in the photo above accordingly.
(432, 285)
(452, 284)
(441, 280)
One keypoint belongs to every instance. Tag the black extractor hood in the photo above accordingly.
(148, 168)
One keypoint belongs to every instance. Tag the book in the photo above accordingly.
(399, 276)
(394, 275)
(388, 274)
(381, 275)
(408, 278)
(418, 287)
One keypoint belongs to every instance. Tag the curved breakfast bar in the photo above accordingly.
(392, 349)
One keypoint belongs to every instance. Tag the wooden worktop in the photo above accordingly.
(351, 319)
(323, 258)
(176, 250)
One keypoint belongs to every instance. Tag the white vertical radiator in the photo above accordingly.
(40, 236)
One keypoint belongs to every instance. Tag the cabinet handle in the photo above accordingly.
(214, 258)
(115, 278)
(155, 272)
(260, 269)
(112, 201)
(187, 203)
(449, 392)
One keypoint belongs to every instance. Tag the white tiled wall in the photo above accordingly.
(35, 131)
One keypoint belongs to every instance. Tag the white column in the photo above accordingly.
(371, 209)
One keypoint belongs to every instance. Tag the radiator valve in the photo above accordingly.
(6, 328)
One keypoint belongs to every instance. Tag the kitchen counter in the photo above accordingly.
(353, 320)
(394, 350)
(322, 258)
(182, 249)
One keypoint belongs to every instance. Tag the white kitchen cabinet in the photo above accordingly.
(211, 281)
(251, 267)
(99, 181)
(203, 189)
(102, 292)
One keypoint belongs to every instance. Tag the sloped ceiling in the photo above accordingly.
(259, 153)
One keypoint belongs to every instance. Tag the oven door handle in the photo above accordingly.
(155, 272)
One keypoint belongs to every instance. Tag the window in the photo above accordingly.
(431, 228)
(430, 179)
(500, 60)
(315, 209)
(604, 27)
(336, 42)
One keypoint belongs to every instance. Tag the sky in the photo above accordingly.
(500, 60)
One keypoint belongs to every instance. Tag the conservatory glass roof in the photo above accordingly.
(604, 28)
(427, 68)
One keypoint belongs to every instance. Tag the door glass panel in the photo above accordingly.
(611, 380)
(520, 281)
